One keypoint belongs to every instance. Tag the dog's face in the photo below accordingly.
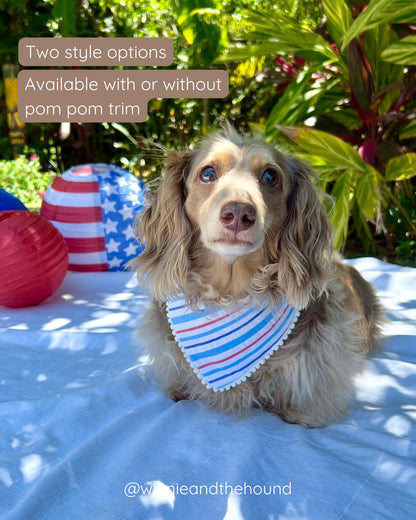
(231, 218)
(235, 195)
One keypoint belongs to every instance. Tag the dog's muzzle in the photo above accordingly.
(238, 216)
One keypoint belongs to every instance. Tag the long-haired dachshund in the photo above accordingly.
(250, 305)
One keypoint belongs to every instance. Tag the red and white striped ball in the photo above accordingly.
(94, 207)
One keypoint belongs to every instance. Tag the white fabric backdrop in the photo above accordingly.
(81, 418)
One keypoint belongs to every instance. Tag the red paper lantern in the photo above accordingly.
(33, 258)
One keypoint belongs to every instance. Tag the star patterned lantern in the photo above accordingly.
(94, 207)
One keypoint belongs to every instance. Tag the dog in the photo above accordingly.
(250, 305)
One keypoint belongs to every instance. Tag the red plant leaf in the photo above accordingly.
(368, 151)
(361, 77)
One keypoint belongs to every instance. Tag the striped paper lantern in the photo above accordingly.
(94, 207)
(33, 258)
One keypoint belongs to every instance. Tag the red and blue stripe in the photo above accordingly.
(225, 346)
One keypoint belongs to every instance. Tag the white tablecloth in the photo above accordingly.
(85, 433)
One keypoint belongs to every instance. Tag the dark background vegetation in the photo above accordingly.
(332, 80)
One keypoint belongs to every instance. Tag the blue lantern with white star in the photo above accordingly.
(94, 207)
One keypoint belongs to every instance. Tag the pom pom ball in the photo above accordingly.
(94, 207)
(33, 258)
(9, 201)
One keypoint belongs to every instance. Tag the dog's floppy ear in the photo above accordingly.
(165, 231)
(304, 242)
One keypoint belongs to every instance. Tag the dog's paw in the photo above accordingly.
(295, 416)
(177, 394)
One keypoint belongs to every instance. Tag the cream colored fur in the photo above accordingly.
(286, 250)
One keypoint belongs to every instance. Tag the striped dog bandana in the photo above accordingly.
(225, 346)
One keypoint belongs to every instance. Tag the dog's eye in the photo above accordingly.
(269, 178)
(208, 174)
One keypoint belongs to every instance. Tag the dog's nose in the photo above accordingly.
(238, 216)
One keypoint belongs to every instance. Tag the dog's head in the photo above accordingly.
(235, 195)
(231, 218)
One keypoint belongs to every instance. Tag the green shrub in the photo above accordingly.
(25, 179)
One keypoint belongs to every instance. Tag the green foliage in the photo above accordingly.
(198, 38)
(25, 179)
(401, 168)
(348, 102)
(335, 79)
(402, 52)
(340, 212)
(353, 182)
(380, 12)
(339, 19)
(18, 19)
(205, 38)
(65, 11)
(278, 32)
(401, 241)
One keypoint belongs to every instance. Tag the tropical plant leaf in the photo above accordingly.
(409, 131)
(124, 130)
(401, 168)
(387, 77)
(334, 151)
(279, 34)
(363, 229)
(377, 12)
(366, 192)
(254, 67)
(257, 128)
(347, 116)
(266, 24)
(402, 11)
(339, 215)
(361, 77)
(339, 18)
(247, 52)
(376, 40)
(299, 100)
(206, 39)
(402, 52)
(66, 10)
